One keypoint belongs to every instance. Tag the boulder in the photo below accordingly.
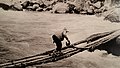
(35, 6)
(90, 10)
(39, 9)
(113, 16)
(103, 9)
(79, 8)
(25, 4)
(48, 8)
(29, 8)
(17, 6)
(60, 8)
(71, 7)
(98, 5)
(4, 6)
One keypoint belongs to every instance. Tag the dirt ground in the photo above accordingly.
(29, 33)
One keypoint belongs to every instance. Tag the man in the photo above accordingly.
(59, 37)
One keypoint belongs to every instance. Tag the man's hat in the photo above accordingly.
(65, 30)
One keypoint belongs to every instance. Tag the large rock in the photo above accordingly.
(60, 8)
(98, 5)
(29, 8)
(103, 9)
(71, 7)
(17, 6)
(35, 6)
(113, 16)
(4, 6)
(90, 10)
(112, 46)
(79, 7)
(39, 2)
(25, 4)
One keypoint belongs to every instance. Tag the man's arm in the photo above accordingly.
(67, 40)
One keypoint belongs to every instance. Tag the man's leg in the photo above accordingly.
(58, 43)
(59, 46)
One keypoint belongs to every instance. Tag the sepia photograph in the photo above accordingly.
(59, 33)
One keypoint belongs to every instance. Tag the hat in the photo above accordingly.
(65, 30)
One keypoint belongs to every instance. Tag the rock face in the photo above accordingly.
(112, 46)
(118, 41)
(113, 16)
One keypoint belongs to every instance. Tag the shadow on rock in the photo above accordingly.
(112, 47)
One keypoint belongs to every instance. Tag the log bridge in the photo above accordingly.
(92, 42)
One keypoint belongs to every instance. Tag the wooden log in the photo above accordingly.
(46, 59)
(98, 36)
(93, 37)
(103, 40)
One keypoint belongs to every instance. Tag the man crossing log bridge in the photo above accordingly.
(58, 37)
(96, 40)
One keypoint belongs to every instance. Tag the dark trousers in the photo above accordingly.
(58, 43)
